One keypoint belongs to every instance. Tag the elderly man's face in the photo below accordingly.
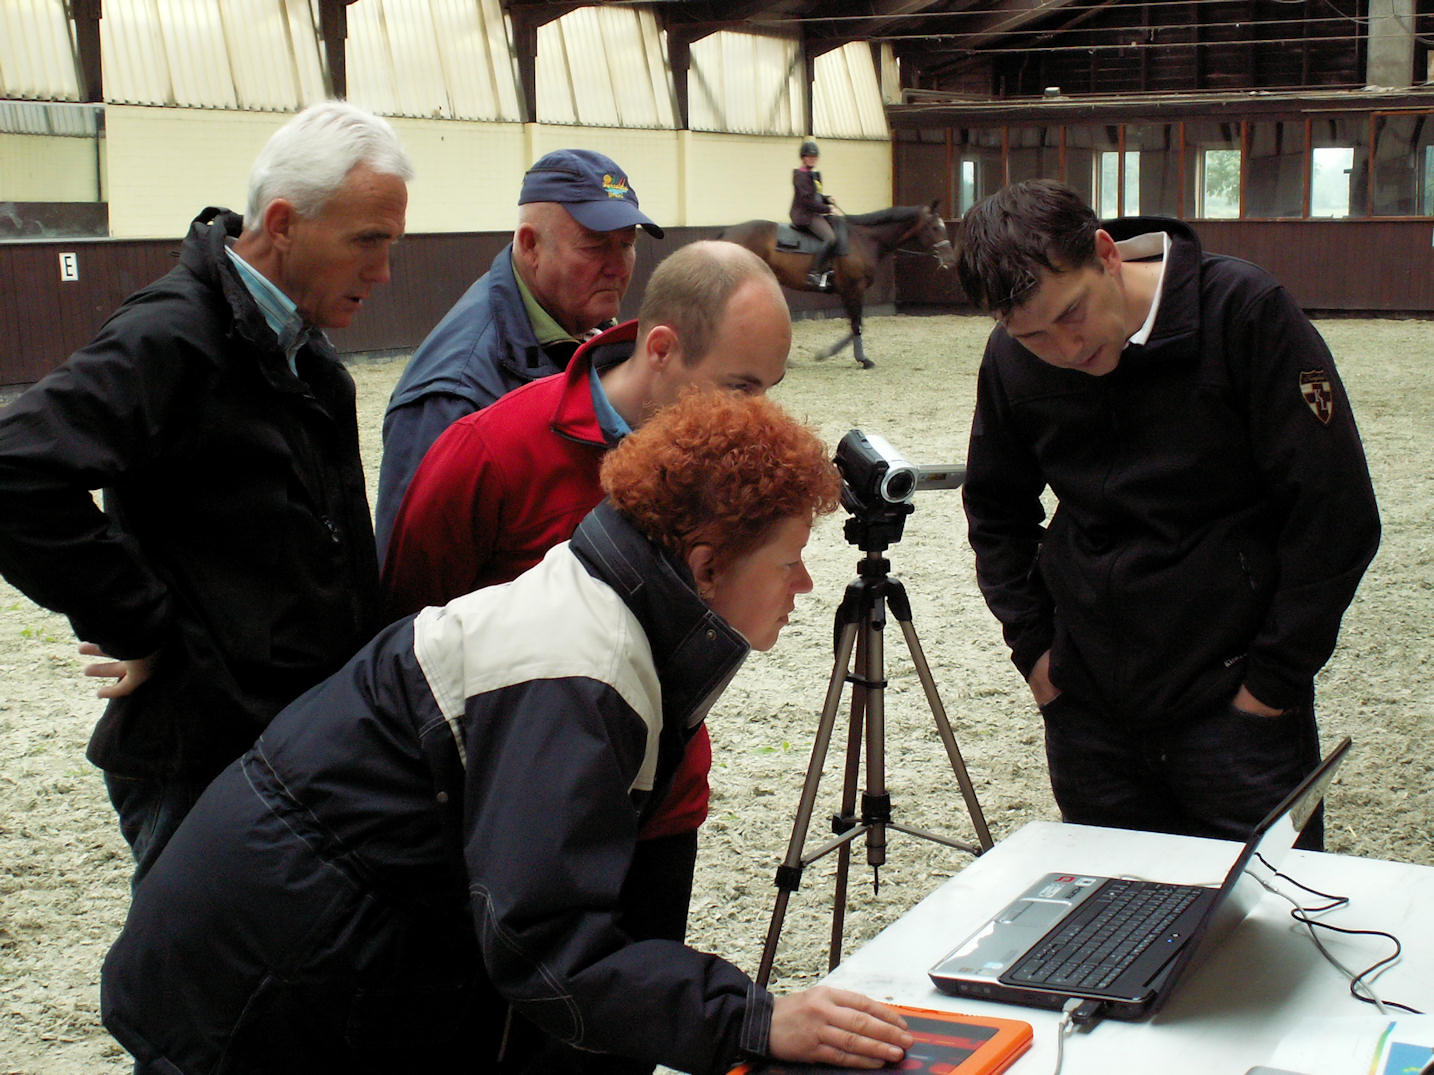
(336, 258)
(579, 276)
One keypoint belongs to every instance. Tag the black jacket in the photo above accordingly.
(236, 538)
(441, 832)
(1214, 516)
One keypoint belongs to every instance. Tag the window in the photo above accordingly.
(1275, 169)
(1152, 169)
(1330, 170)
(1339, 166)
(1108, 184)
(1398, 174)
(1426, 199)
(1219, 184)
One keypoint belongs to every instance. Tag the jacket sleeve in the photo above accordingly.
(90, 424)
(443, 535)
(549, 832)
(1322, 502)
(1004, 517)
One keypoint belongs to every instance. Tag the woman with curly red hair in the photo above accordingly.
(418, 865)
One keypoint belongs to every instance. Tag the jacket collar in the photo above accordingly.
(523, 354)
(694, 650)
(1179, 314)
(574, 416)
(203, 254)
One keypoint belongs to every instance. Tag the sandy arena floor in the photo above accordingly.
(64, 868)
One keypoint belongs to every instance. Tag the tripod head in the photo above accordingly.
(873, 529)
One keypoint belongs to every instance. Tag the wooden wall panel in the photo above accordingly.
(1372, 267)
(43, 319)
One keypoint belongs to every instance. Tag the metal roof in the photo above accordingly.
(37, 55)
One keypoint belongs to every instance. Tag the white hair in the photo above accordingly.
(307, 159)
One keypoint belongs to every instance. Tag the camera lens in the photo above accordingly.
(898, 484)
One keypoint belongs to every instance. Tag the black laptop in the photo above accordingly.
(1122, 942)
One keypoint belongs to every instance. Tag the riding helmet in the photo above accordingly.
(809, 149)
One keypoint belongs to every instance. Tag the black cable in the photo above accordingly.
(1356, 981)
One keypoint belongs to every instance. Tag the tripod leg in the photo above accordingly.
(943, 728)
(789, 874)
(845, 821)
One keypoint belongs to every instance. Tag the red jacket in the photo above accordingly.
(498, 489)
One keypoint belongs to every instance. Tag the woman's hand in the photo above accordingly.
(835, 1026)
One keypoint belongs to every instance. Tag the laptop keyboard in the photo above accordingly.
(1106, 935)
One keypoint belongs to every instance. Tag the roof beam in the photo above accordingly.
(86, 15)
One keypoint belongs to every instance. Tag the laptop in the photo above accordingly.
(1121, 942)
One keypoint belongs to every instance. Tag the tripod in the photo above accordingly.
(860, 620)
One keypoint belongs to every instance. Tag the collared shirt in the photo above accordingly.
(613, 425)
(1139, 247)
(279, 311)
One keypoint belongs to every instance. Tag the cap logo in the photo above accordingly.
(1315, 386)
(616, 188)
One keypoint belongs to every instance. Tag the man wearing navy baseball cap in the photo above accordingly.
(560, 281)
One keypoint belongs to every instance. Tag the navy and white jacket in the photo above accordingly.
(433, 841)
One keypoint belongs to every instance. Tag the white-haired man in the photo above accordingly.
(232, 567)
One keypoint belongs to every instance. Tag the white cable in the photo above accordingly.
(1356, 982)
(1063, 1030)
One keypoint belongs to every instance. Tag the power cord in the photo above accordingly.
(1076, 1012)
(1359, 983)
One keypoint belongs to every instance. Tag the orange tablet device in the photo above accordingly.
(947, 1043)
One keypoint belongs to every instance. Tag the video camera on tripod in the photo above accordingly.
(878, 484)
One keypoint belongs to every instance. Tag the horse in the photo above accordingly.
(870, 239)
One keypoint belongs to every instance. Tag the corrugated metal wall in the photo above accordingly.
(36, 52)
(605, 67)
(250, 54)
(597, 66)
(746, 84)
(438, 59)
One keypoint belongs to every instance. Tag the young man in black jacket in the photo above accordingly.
(1214, 517)
(232, 567)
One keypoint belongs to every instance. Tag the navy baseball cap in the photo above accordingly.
(589, 186)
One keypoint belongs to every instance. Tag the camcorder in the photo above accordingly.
(876, 477)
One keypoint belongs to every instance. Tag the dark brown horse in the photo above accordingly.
(871, 237)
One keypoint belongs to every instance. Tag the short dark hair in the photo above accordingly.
(1007, 239)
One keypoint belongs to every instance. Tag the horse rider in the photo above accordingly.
(811, 211)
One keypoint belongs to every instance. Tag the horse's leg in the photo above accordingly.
(851, 298)
(836, 347)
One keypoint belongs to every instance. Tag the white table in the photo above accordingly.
(1228, 1013)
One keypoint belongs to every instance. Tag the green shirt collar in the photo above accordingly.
(546, 330)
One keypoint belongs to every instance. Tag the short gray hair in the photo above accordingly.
(307, 159)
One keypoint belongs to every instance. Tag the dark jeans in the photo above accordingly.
(1215, 775)
(149, 811)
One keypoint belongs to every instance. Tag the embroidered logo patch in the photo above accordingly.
(1318, 393)
(616, 188)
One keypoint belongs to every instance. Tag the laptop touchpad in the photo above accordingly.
(1035, 914)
